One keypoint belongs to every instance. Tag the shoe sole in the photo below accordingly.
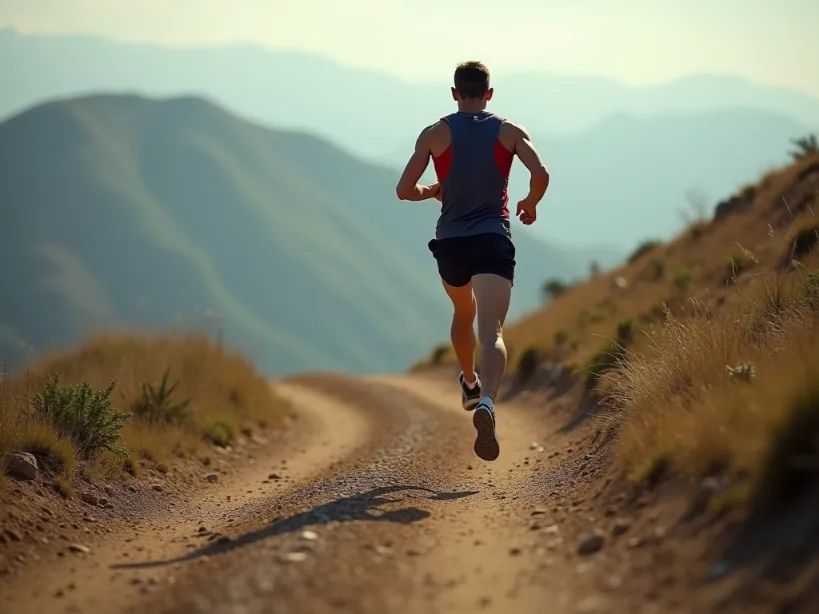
(471, 404)
(486, 443)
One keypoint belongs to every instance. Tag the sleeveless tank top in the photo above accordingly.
(474, 177)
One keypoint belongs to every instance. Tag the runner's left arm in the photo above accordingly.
(408, 187)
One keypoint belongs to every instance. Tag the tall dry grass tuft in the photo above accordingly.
(710, 387)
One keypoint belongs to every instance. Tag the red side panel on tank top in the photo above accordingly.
(503, 160)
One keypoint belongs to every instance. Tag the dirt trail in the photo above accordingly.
(387, 509)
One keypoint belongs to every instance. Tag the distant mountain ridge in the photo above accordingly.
(129, 211)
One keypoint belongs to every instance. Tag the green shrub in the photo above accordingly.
(527, 363)
(606, 359)
(643, 249)
(625, 332)
(155, 404)
(803, 242)
(683, 278)
(657, 269)
(438, 353)
(553, 288)
(219, 433)
(736, 265)
(84, 415)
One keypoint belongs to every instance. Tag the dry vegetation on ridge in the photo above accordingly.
(208, 395)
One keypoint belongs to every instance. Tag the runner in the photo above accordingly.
(472, 151)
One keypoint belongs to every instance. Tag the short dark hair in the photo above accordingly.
(472, 79)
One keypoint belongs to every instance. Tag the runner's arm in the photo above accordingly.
(408, 187)
(539, 174)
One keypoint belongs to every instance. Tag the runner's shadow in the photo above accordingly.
(364, 506)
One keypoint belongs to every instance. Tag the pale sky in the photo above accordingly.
(634, 41)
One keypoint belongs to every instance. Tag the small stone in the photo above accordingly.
(309, 535)
(538, 511)
(212, 478)
(515, 551)
(156, 487)
(620, 526)
(109, 491)
(552, 529)
(634, 542)
(22, 465)
(103, 501)
(274, 476)
(79, 548)
(591, 543)
(89, 498)
(13, 535)
(295, 557)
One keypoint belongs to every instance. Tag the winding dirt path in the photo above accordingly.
(381, 506)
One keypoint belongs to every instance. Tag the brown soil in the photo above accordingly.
(380, 505)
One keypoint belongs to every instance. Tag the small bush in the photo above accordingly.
(804, 147)
(219, 433)
(736, 265)
(64, 488)
(625, 332)
(657, 269)
(683, 278)
(527, 363)
(82, 414)
(561, 337)
(155, 404)
(554, 288)
(803, 242)
(438, 353)
(643, 249)
(606, 359)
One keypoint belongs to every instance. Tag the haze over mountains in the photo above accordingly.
(613, 149)
(130, 211)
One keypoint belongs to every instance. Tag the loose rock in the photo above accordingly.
(79, 548)
(89, 498)
(22, 465)
(212, 478)
(591, 543)
(620, 526)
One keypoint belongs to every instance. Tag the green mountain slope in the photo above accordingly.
(126, 211)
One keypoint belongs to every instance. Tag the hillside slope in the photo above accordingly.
(127, 211)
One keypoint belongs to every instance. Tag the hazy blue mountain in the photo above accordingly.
(366, 112)
(128, 211)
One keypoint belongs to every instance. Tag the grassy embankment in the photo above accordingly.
(103, 410)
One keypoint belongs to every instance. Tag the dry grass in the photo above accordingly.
(223, 388)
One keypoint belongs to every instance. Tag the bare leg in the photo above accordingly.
(493, 294)
(462, 331)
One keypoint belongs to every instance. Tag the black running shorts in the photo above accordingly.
(459, 258)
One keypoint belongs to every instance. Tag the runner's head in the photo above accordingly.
(472, 84)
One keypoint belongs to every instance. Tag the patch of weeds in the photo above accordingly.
(642, 249)
(802, 242)
(554, 288)
(155, 404)
(163, 468)
(742, 372)
(82, 414)
(789, 467)
(732, 498)
(657, 269)
(527, 363)
(64, 488)
(561, 337)
(811, 287)
(735, 266)
(219, 433)
(54, 453)
(651, 469)
(438, 353)
(606, 359)
(683, 278)
(131, 465)
(625, 332)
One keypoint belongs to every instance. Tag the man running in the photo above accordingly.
(472, 151)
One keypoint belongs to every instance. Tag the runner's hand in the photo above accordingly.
(526, 212)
